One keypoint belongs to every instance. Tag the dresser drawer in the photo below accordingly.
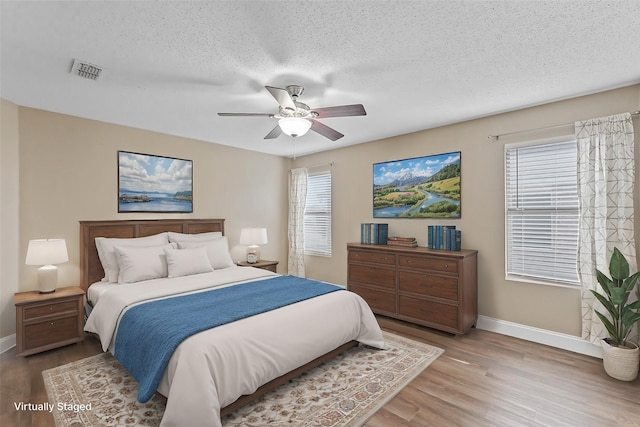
(50, 332)
(428, 311)
(429, 263)
(378, 276)
(378, 300)
(372, 257)
(62, 306)
(428, 284)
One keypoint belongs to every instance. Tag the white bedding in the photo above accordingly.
(212, 369)
(96, 290)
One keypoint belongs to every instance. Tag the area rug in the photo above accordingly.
(343, 392)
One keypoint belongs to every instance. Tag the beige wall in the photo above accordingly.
(63, 169)
(482, 222)
(68, 173)
(9, 238)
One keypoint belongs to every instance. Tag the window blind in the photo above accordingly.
(542, 212)
(317, 215)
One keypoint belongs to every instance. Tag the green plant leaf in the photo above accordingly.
(613, 332)
(629, 318)
(618, 296)
(631, 281)
(606, 304)
(604, 282)
(618, 266)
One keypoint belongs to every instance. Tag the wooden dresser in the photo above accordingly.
(429, 287)
(46, 321)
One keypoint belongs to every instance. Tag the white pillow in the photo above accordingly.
(185, 262)
(217, 250)
(137, 264)
(107, 254)
(182, 237)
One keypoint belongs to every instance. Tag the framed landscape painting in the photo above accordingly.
(420, 187)
(148, 183)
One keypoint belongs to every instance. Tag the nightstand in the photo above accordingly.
(46, 321)
(264, 264)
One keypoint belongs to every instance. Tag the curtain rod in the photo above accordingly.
(317, 166)
(496, 137)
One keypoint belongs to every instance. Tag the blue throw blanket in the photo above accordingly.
(149, 333)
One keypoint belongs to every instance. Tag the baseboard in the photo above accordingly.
(7, 343)
(540, 336)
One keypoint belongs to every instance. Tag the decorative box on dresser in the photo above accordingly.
(428, 287)
(47, 321)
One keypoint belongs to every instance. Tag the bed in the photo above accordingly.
(218, 369)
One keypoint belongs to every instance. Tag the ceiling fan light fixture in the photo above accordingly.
(294, 126)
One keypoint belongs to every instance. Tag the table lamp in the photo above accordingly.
(47, 252)
(252, 237)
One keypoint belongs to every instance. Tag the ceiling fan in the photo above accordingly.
(296, 118)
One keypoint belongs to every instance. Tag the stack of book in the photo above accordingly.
(372, 233)
(444, 237)
(409, 242)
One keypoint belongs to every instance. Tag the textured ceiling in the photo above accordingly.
(172, 66)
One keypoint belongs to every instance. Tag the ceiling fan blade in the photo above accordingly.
(282, 96)
(275, 132)
(325, 130)
(245, 115)
(341, 111)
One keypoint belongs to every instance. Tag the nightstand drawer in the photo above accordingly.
(47, 321)
(50, 332)
(50, 309)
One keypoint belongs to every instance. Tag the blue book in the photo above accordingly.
(382, 234)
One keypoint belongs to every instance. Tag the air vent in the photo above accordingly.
(86, 70)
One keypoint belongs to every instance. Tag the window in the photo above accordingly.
(542, 212)
(317, 215)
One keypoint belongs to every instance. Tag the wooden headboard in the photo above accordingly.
(90, 267)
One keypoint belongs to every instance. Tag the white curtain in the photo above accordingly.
(297, 202)
(606, 177)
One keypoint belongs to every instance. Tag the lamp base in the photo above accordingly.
(47, 279)
(253, 254)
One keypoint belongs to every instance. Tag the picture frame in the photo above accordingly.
(418, 187)
(152, 183)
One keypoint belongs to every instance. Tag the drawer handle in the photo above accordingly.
(51, 323)
(50, 308)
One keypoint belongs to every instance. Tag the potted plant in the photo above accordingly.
(621, 357)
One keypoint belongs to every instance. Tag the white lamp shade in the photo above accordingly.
(294, 126)
(253, 236)
(46, 252)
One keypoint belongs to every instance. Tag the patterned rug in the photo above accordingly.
(343, 392)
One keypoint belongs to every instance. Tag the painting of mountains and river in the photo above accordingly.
(421, 187)
(149, 183)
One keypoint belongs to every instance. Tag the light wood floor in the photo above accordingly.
(482, 379)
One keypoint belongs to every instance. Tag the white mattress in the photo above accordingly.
(212, 369)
